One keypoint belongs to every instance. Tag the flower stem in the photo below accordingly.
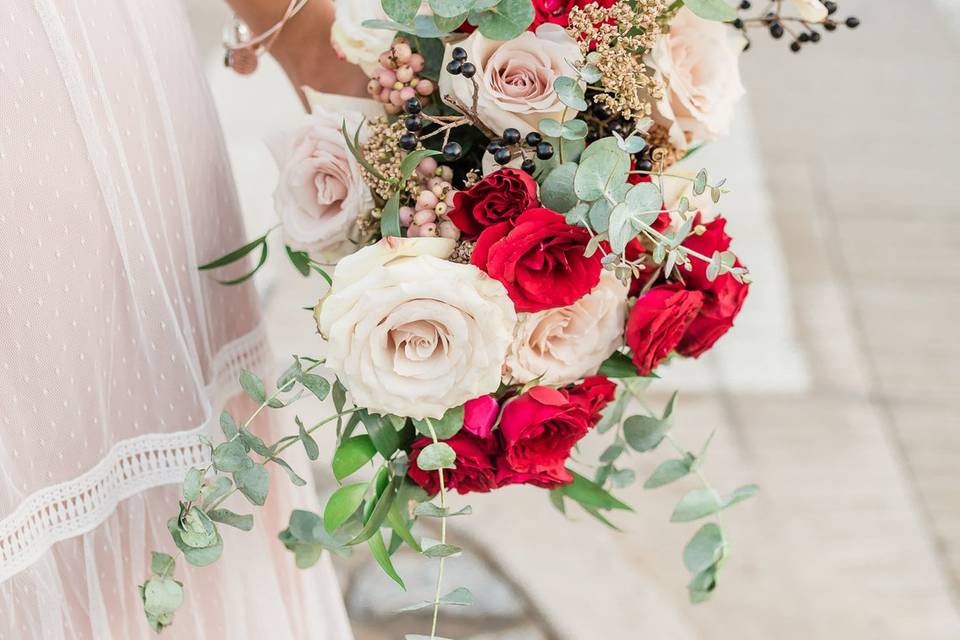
(443, 541)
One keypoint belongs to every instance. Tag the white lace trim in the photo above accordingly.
(131, 466)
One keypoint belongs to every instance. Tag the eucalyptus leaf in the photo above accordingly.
(253, 385)
(705, 549)
(716, 10)
(570, 92)
(309, 444)
(162, 595)
(162, 564)
(602, 165)
(228, 425)
(445, 428)
(197, 556)
(550, 127)
(317, 385)
(574, 130)
(698, 503)
(192, 484)
(401, 10)
(294, 478)
(437, 456)
(231, 456)
(557, 193)
(216, 490)
(451, 8)
(507, 20)
(430, 510)
(442, 551)
(590, 73)
(700, 182)
(253, 483)
(227, 517)
(645, 433)
(668, 472)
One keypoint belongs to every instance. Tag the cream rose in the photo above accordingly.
(565, 344)
(412, 334)
(811, 10)
(321, 190)
(515, 77)
(356, 43)
(698, 61)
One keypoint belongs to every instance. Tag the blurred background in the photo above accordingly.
(836, 392)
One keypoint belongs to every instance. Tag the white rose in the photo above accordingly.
(358, 44)
(515, 77)
(321, 189)
(412, 334)
(811, 10)
(566, 344)
(698, 60)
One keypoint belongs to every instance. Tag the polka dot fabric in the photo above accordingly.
(115, 352)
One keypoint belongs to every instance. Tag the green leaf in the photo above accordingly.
(717, 10)
(317, 385)
(255, 443)
(505, 21)
(294, 478)
(741, 494)
(430, 510)
(550, 127)
(401, 10)
(379, 551)
(378, 514)
(213, 492)
(352, 454)
(557, 192)
(342, 504)
(382, 432)
(667, 472)
(698, 503)
(162, 596)
(300, 260)
(197, 556)
(703, 585)
(309, 444)
(442, 551)
(599, 516)
(399, 525)
(162, 564)
(602, 166)
(339, 396)
(227, 517)
(228, 426)
(413, 159)
(459, 597)
(611, 453)
(451, 8)
(235, 255)
(618, 365)
(390, 218)
(444, 428)
(253, 483)
(578, 215)
(700, 182)
(590, 73)
(705, 549)
(253, 386)
(192, 484)
(443, 25)
(437, 456)
(622, 478)
(574, 130)
(570, 92)
(556, 499)
(590, 494)
(645, 433)
(231, 456)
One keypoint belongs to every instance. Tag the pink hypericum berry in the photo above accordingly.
(425, 87)
(417, 63)
(426, 200)
(405, 74)
(428, 230)
(424, 216)
(406, 216)
(427, 167)
(413, 231)
(449, 230)
(387, 78)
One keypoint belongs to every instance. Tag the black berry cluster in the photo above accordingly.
(508, 145)
(413, 122)
(801, 31)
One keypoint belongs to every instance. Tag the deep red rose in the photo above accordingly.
(658, 322)
(593, 395)
(558, 11)
(539, 259)
(475, 470)
(479, 415)
(500, 197)
(722, 299)
(547, 478)
(538, 430)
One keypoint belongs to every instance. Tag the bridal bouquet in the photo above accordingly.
(522, 242)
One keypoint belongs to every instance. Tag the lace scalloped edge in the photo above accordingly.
(131, 466)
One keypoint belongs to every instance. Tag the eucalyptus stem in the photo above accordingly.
(286, 387)
(443, 540)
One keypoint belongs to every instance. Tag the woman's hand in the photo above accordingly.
(303, 47)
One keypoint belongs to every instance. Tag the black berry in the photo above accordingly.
(544, 150)
(646, 164)
(511, 136)
(601, 112)
(831, 7)
(853, 22)
(452, 151)
(795, 46)
(533, 139)
(459, 54)
(502, 156)
(804, 37)
(494, 145)
(412, 106)
(814, 36)
(776, 30)
(829, 25)
(454, 67)
(529, 166)
(413, 123)
(409, 141)
(738, 23)
(744, 5)
(468, 69)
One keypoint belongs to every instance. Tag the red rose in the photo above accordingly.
(722, 299)
(558, 11)
(475, 470)
(593, 395)
(539, 259)
(500, 197)
(479, 415)
(538, 430)
(658, 322)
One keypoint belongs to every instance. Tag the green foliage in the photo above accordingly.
(228, 426)
(227, 517)
(300, 260)
(602, 166)
(444, 428)
(505, 21)
(590, 494)
(390, 217)
(669, 471)
(430, 510)
(344, 502)
(240, 254)
(382, 432)
(379, 551)
(437, 456)
(645, 433)
(203, 544)
(352, 454)
(717, 10)
(253, 385)
(442, 550)
(231, 456)
(309, 444)
(254, 483)
(618, 365)
(401, 10)
(557, 190)
(570, 92)
(192, 484)
(306, 537)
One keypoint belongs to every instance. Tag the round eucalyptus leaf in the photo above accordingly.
(557, 193)
(570, 92)
(507, 20)
(550, 128)
(450, 8)
(162, 595)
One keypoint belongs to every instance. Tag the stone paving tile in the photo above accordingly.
(936, 245)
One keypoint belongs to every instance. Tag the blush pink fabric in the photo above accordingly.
(115, 352)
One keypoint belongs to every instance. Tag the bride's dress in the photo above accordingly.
(115, 353)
